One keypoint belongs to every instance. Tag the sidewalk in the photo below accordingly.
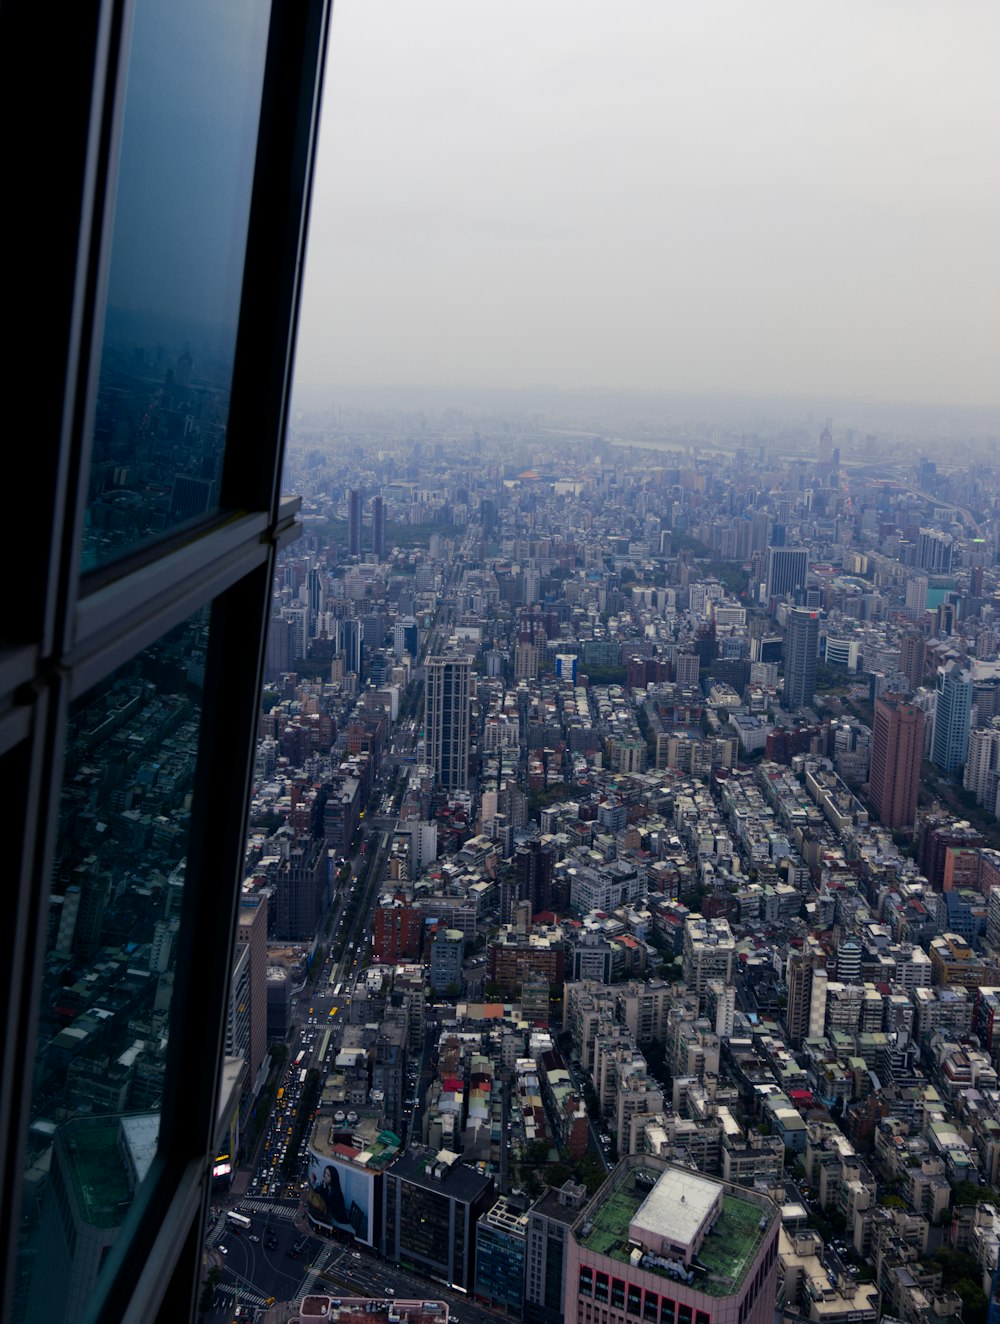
(240, 1182)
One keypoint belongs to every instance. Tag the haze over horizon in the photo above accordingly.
(691, 198)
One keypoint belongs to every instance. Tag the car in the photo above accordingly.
(253, 1237)
(224, 1250)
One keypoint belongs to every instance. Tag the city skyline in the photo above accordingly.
(444, 817)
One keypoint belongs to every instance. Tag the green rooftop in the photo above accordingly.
(609, 1223)
(729, 1250)
(726, 1253)
(99, 1177)
(384, 1150)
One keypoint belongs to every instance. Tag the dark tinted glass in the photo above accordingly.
(189, 140)
(114, 931)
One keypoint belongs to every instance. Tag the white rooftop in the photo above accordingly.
(677, 1208)
(142, 1134)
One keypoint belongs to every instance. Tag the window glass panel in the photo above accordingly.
(113, 937)
(189, 139)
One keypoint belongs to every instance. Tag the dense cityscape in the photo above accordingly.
(500, 687)
(623, 838)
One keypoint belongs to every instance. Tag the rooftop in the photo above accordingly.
(725, 1255)
(440, 1171)
(100, 1181)
(676, 1207)
(561, 1205)
(359, 1142)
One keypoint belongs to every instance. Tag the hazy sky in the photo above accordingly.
(674, 194)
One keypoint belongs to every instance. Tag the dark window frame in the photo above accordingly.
(64, 631)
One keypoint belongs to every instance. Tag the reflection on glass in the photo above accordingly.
(189, 140)
(114, 917)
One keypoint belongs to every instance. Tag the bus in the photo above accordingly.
(238, 1222)
(281, 1092)
(336, 991)
(302, 1076)
(301, 1057)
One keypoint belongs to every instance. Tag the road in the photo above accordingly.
(579, 1079)
(362, 1274)
(250, 1272)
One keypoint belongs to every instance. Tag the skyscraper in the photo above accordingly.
(354, 522)
(897, 748)
(549, 1223)
(786, 571)
(405, 636)
(798, 982)
(134, 634)
(913, 659)
(951, 719)
(634, 1248)
(378, 528)
(349, 642)
(983, 763)
(488, 515)
(430, 1211)
(800, 647)
(533, 867)
(825, 447)
(253, 936)
(934, 551)
(530, 584)
(849, 957)
(446, 718)
(686, 668)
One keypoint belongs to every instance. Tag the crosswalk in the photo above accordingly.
(317, 1267)
(247, 1296)
(285, 1211)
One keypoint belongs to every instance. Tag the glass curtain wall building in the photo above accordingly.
(161, 163)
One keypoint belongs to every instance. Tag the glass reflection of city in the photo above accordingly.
(159, 441)
(114, 923)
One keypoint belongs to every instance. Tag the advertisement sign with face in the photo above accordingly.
(341, 1196)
